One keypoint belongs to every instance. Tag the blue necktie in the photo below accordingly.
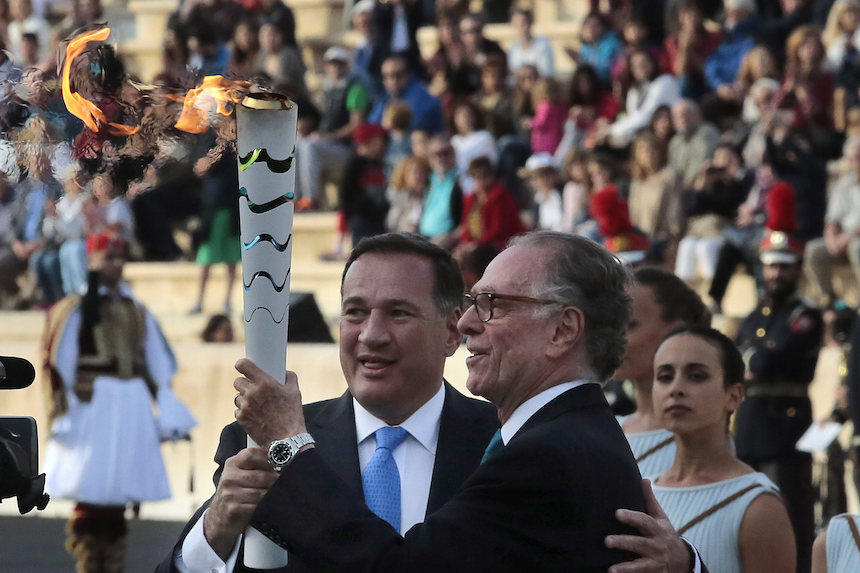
(494, 446)
(381, 477)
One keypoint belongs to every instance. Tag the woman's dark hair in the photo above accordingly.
(597, 15)
(477, 114)
(215, 322)
(593, 97)
(730, 357)
(677, 301)
(655, 66)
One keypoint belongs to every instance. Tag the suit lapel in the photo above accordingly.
(458, 453)
(333, 427)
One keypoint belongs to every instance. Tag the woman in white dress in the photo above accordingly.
(837, 550)
(733, 515)
(660, 303)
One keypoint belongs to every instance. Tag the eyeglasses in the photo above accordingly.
(484, 302)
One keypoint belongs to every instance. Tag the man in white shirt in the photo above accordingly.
(529, 49)
(401, 301)
(25, 21)
(545, 322)
(840, 244)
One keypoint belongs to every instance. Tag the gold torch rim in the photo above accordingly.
(264, 100)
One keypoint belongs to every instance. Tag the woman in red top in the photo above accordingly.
(807, 88)
(491, 215)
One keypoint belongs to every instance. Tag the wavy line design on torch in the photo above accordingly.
(286, 308)
(268, 206)
(274, 165)
(271, 280)
(267, 237)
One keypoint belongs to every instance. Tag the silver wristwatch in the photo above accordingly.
(282, 452)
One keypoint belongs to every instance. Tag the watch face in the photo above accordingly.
(280, 453)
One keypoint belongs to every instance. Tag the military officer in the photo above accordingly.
(780, 342)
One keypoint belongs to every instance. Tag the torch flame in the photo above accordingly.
(78, 105)
(214, 94)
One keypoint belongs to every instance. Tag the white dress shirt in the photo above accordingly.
(415, 458)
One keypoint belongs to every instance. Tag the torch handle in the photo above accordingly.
(266, 149)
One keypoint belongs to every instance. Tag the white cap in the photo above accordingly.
(361, 7)
(336, 53)
(540, 161)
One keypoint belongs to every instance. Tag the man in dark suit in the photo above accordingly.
(420, 279)
(545, 323)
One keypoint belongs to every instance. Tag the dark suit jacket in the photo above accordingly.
(465, 430)
(383, 28)
(542, 504)
(783, 344)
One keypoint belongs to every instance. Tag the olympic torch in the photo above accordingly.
(266, 138)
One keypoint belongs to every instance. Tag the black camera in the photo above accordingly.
(19, 444)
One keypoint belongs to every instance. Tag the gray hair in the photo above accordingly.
(582, 273)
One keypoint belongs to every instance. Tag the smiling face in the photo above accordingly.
(508, 351)
(393, 339)
(689, 392)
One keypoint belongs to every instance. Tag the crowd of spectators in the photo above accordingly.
(688, 131)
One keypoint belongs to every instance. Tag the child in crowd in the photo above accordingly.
(396, 121)
(576, 195)
(362, 191)
(543, 178)
(491, 215)
(405, 193)
(471, 141)
(547, 125)
(611, 212)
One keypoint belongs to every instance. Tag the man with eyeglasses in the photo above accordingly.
(400, 84)
(545, 323)
(443, 201)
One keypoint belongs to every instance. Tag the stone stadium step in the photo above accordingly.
(169, 289)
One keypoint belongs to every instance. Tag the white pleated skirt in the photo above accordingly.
(107, 451)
